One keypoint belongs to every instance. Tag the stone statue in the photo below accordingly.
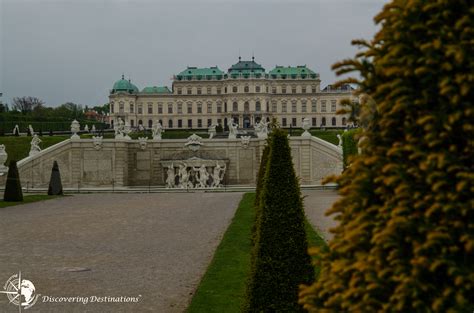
(16, 130)
(35, 148)
(3, 159)
(86, 128)
(93, 129)
(75, 128)
(157, 130)
(194, 142)
(126, 131)
(218, 175)
(171, 177)
(306, 126)
(97, 141)
(212, 131)
(119, 128)
(203, 176)
(32, 132)
(140, 127)
(142, 141)
(183, 176)
(340, 140)
(261, 128)
(245, 141)
(232, 129)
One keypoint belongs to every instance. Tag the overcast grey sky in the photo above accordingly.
(74, 50)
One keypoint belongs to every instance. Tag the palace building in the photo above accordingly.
(200, 97)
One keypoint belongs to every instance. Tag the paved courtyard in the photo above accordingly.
(316, 203)
(154, 247)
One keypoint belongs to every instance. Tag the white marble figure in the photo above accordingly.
(218, 175)
(340, 140)
(16, 129)
(75, 128)
(245, 141)
(3, 159)
(93, 129)
(212, 131)
(86, 128)
(142, 141)
(203, 176)
(35, 148)
(140, 127)
(32, 131)
(261, 128)
(171, 176)
(119, 128)
(184, 176)
(157, 130)
(126, 131)
(232, 129)
(306, 126)
(97, 141)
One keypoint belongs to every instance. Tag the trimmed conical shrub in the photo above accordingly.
(280, 262)
(13, 190)
(405, 239)
(258, 189)
(55, 185)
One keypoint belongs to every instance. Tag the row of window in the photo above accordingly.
(235, 107)
(235, 89)
(284, 122)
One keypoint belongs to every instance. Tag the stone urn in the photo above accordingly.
(75, 128)
(3, 159)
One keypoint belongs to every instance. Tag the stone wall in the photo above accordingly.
(125, 163)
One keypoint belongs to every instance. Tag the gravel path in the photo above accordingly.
(316, 203)
(154, 247)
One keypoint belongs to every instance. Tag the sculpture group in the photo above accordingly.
(185, 176)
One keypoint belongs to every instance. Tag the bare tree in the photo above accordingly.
(26, 104)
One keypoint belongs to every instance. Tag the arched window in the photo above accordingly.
(323, 121)
(257, 106)
(170, 123)
(246, 106)
(150, 124)
(140, 122)
(234, 89)
(333, 121)
(235, 107)
(246, 89)
(161, 122)
(344, 121)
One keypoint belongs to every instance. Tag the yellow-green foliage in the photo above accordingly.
(349, 145)
(405, 242)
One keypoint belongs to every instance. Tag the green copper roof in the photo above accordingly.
(292, 72)
(155, 89)
(246, 67)
(124, 85)
(212, 72)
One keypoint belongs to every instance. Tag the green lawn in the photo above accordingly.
(19, 147)
(222, 288)
(27, 199)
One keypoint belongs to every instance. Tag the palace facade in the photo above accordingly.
(200, 97)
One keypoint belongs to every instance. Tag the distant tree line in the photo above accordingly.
(31, 110)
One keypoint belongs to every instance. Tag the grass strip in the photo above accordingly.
(222, 288)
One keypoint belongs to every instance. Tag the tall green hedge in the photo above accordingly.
(349, 145)
(405, 239)
(259, 187)
(13, 190)
(280, 261)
